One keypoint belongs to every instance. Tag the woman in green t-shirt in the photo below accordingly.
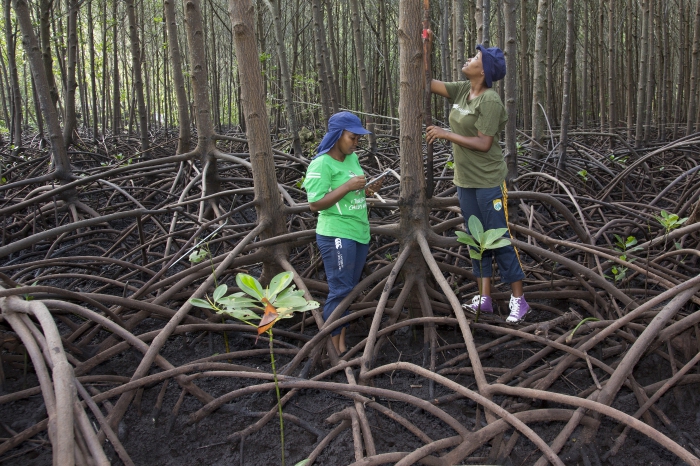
(335, 186)
(476, 119)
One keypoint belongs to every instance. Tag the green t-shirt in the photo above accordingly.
(348, 217)
(486, 113)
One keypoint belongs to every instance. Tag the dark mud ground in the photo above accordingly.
(151, 442)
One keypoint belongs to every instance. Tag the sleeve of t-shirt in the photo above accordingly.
(489, 119)
(318, 180)
(457, 89)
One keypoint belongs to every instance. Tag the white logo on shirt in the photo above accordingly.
(463, 111)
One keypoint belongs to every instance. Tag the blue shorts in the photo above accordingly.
(343, 260)
(490, 206)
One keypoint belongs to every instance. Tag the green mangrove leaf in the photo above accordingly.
(466, 239)
(476, 255)
(219, 292)
(499, 243)
(278, 284)
(200, 303)
(249, 285)
(476, 228)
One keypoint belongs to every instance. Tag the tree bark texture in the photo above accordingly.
(568, 65)
(70, 120)
(276, 12)
(362, 69)
(692, 123)
(458, 54)
(183, 114)
(538, 79)
(16, 102)
(33, 51)
(511, 93)
(641, 76)
(137, 73)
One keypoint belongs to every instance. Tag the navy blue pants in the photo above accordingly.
(343, 260)
(489, 205)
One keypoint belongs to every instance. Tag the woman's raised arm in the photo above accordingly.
(438, 87)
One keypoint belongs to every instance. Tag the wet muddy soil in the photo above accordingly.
(155, 438)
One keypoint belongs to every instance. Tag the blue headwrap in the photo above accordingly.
(341, 121)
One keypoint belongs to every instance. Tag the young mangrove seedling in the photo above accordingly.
(278, 301)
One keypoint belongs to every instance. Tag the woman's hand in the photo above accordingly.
(355, 183)
(434, 133)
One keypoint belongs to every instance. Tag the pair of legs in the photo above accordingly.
(343, 260)
(490, 206)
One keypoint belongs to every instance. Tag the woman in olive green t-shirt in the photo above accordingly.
(476, 119)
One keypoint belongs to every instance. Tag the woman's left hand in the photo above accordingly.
(434, 133)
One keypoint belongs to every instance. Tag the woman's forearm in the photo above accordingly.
(438, 87)
(329, 199)
(481, 143)
(332, 197)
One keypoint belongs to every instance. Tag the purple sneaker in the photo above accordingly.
(518, 308)
(486, 305)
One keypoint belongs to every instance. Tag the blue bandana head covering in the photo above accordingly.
(494, 64)
(341, 121)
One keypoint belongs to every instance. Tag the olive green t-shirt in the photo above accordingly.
(348, 217)
(485, 113)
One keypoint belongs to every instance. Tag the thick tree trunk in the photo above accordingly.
(331, 56)
(479, 19)
(585, 106)
(387, 65)
(412, 199)
(267, 197)
(511, 93)
(651, 73)
(641, 77)
(445, 58)
(93, 72)
(45, 7)
(70, 120)
(183, 114)
(116, 100)
(525, 84)
(33, 51)
(549, 87)
(612, 119)
(601, 67)
(666, 81)
(692, 124)
(200, 90)
(568, 69)
(138, 74)
(323, 83)
(486, 6)
(678, 106)
(276, 10)
(457, 39)
(538, 84)
(360, 55)
(15, 125)
(628, 70)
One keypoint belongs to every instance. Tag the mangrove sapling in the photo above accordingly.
(623, 245)
(278, 301)
(197, 256)
(480, 242)
(670, 222)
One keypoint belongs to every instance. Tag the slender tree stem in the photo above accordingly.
(277, 391)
